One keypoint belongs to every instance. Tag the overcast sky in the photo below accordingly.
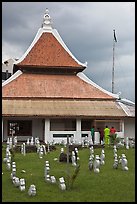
(87, 30)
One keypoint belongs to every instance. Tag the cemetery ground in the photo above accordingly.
(109, 185)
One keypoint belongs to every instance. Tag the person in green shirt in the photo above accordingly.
(106, 135)
(93, 133)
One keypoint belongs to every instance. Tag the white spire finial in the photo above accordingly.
(47, 21)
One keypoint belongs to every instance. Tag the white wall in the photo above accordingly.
(59, 139)
(129, 128)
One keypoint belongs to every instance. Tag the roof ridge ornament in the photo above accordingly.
(46, 25)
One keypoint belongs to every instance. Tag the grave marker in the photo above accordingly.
(62, 185)
(22, 184)
(97, 164)
(102, 157)
(32, 190)
(124, 162)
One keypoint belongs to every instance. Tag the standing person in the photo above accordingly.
(112, 130)
(101, 132)
(112, 134)
(106, 135)
(93, 133)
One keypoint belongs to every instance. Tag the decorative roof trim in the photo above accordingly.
(82, 76)
(125, 109)
(14, 76)
(127, 101)
(47, 20)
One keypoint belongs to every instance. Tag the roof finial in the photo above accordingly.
(46, 21)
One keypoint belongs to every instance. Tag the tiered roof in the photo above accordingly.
(48, 51)
(50, 82)
(29, 85)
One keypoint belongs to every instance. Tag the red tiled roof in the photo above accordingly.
(52, 86)
(48, 52)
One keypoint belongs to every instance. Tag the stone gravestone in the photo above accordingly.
(32, 141)
(127, 143)
(124, 163)
(13, 179)
(46, 173)
(62, 184)
(41, 152)
(15, 140)
(23, 149)
(4, 159)
(8, 155)
(53, 179)
(97, 164)
(7, 152)
(120, 144)
(62, 150)
(16, 182)
(132, 143)
(28, 141)
(90, 164)
(71, 140)
(90, 142)
(22, 184)
(44, 149)
(8, 164)
(38, 148)
(37, 142)
(32, 190)
(102, 157)
(115, 151)
(86, 143)
(115, 165)
(76, 154)
(91, 150)
(13, 168)
(73, 159)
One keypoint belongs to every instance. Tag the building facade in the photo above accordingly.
(7, 69)
(48, 96)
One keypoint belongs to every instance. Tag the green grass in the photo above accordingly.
(110, 185)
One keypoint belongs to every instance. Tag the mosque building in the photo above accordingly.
(48, 96)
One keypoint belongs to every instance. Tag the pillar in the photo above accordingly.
(123, 129)
(78, 130)
(47, 131)
(2, 130)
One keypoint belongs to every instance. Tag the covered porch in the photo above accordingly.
(56, 129)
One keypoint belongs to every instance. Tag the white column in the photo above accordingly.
(123, 129)
(47, 131)
(78, 130)
(97, 138)
(2, 130)
(122, 125)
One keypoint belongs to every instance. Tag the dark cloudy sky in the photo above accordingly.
(87, 30)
